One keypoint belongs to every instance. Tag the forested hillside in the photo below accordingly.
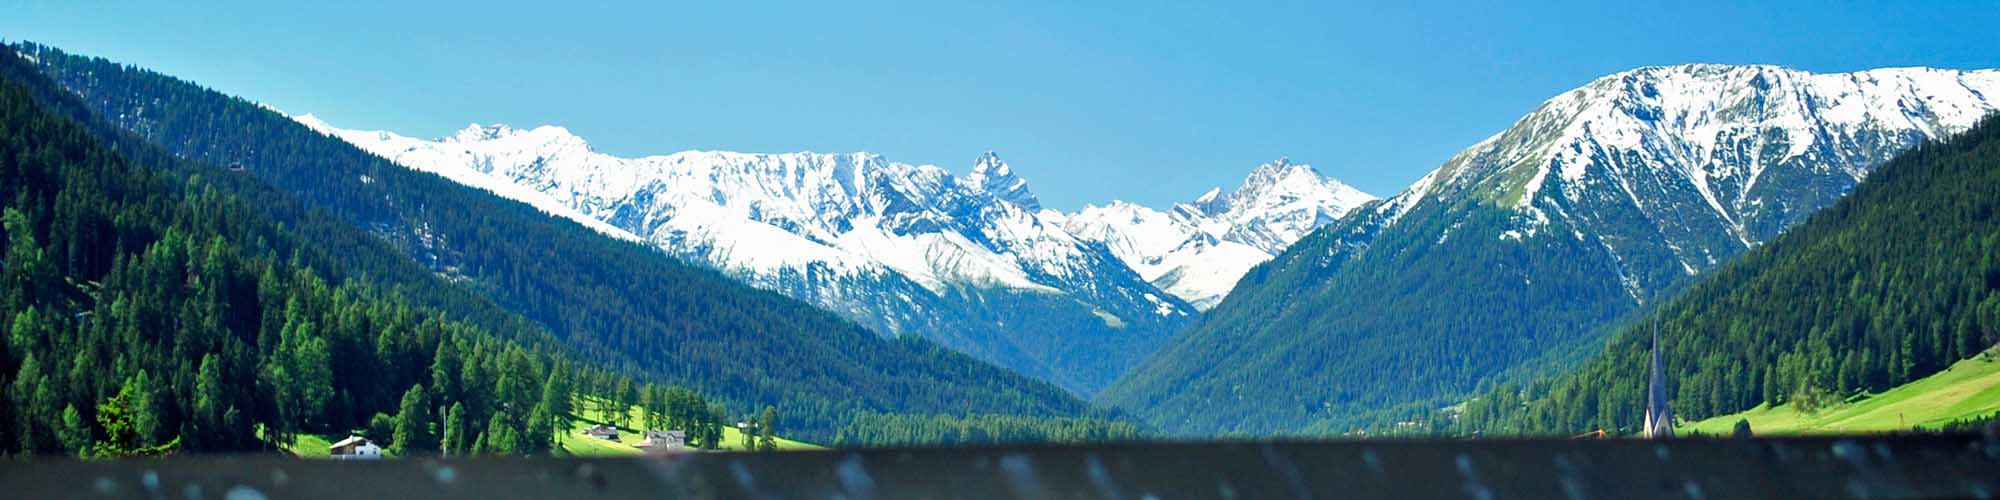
(150, 310)
(1891, 284)
(1300, 339)
(615, 303)
(1535, 244)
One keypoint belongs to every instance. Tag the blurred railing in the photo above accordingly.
(1870, 467)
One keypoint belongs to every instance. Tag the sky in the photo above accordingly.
(1151, 102)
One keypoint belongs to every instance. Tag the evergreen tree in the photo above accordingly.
(1741, 429)
(444, 370)
(499, 436)
(538, 435)
(381, 429)
(555, 408)
(210, 400)
(145, 409)
(767, 428)
(647, 412)
(313, 385)
(75, 433)
(121, 436)
(31, 394)
(413, 424)
(454, 430)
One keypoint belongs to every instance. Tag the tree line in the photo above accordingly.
(614, 304)
(150, 310)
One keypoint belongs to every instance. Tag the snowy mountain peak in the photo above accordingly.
(899, 248)
(1281, 203)
(1197, 250)
(991, 175)
(476, 132)
(1293, 179)
(310, 120)
(1717, 129)
(501, 135)
(1672, 169)
(1208, 196)
(989, 163)
(1277, 167)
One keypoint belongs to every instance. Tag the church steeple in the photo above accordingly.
(1659, 417)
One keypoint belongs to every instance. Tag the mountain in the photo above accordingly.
(158, 305)
(1531, 242)
(1896, 282)
(1198, 250)
(973, 262)
(616, 303)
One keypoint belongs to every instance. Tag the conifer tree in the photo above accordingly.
(499, 436)
(454, 430)
(381, 429)
(209, 396)
(145, 409)
(413, 423)
(121, 437)
(767, 428)
(75, 434)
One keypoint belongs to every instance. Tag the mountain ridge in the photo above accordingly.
(1851, 309)
(1538, 236)
(1197, 250)
(971, 260)
(619, 304)
(966, 260)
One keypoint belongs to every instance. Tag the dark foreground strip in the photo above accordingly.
(1873, 467)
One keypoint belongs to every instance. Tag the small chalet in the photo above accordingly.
(355, 448)
(664, 442)
(602, 431)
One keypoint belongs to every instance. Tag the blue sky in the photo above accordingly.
(1151, 102)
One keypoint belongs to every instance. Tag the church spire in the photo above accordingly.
(1659, 416)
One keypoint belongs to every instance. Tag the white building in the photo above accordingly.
(355, 448)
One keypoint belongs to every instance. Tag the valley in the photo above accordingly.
(1601, 203)
(191, 271)
(973, 262)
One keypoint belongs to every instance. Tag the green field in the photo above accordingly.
(573, 442)
(309, 446)
(1969, 388)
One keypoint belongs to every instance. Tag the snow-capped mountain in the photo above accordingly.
(1674, 168)
(971, 261)
(1198, 250)
(1530, 243)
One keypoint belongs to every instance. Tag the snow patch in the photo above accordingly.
(1198, 250)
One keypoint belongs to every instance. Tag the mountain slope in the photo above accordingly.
(218, 315)
(1896, 282)
(1536, 238)
(616, 302)
(1198, 250)
(903, 249)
